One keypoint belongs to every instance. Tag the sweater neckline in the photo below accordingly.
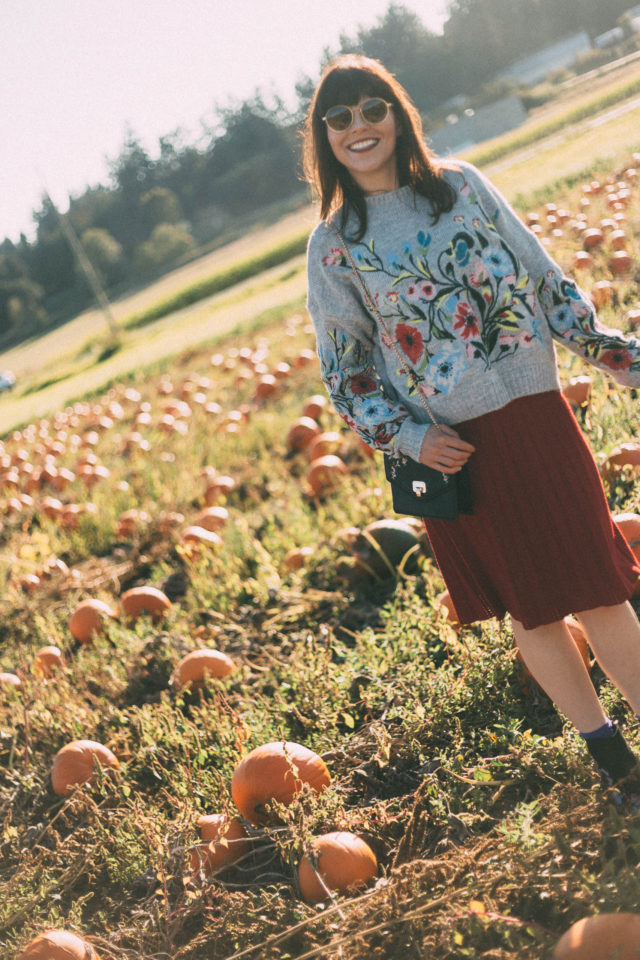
(390, 196)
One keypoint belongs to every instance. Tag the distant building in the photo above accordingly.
(474, 126)
(534, 68)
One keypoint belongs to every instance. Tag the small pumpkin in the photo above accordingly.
(58, 945)
(87, 620)
(315, 406)
(345, 862)
(620, 262)
(578, 390)
(629, 526)
(329, 441)
(213, 518)
(382, 546)
(195, 537)
(225, 841)
(195, 667)
(601, 937)
(301, 433)
(275, 771)
(297, 557)
(139, 601)
(10, 681)
(47, 660)
(325, 474)
(76, 762)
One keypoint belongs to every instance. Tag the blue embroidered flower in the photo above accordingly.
(446, 366)
(561, 318)
(373, 411)
(424, 239)
(498, 263)
(461, 252)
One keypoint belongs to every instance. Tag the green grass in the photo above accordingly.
(479, 801)
(219, 281)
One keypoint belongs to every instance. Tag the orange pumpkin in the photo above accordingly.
(296, 558)
(145, 600)
(444, 602)
(344, 862)
(47, 661)
(324, 443)
(315, 406)
(593, 237)
(58, 945)
(195, 537)
(225, 841)
(275, 771)
(578, 390)
(602, 937)
(620, 262)
(629, 526)
(195, 667)
(87, 619)
(601, 293)
(324, 474)
(301, 433)
(213, 518)
(10, 680)
(76, 763)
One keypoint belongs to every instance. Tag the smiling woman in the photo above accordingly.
(436, 311)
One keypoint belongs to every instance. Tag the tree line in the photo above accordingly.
(157, 211)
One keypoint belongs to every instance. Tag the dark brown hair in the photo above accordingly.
(345, 81)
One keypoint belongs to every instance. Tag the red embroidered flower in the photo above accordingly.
(362, 384)
(617, 359)
(334, 259)
(466, 322)
(410, 341)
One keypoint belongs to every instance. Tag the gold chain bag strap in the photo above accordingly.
(417, 490)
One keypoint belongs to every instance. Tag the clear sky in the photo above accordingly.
(76, 74)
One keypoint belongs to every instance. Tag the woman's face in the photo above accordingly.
(368, 150)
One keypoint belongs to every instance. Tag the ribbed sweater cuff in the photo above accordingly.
(410, 437)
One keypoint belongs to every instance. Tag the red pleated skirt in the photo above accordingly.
(541, 543)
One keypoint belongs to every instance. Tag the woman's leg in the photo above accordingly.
(614, 636)
(553, 658)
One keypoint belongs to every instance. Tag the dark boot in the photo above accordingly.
(618, 767)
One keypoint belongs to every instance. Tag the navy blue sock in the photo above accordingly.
(606, 730)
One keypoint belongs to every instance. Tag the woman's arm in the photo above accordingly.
(345, 337)
(568, 309)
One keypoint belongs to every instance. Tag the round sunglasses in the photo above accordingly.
(341, 118)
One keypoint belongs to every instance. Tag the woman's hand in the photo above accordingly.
(444, 450)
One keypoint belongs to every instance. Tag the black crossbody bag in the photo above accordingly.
(418, 490)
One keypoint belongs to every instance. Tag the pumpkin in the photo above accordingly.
(10, 680)
(195, 667)
(194, 537)
(145, 600)
(130, 522)
(324, 474)
(601, 937)
(301, 433)
(296, 558)
(87, 619)
(275, 771)
(629, 526)
(578, 390)
(601, 293)
(618, 238)
(314, 406)
(327, 442)
(212, 518)
(47, 661)
(593, 237)
(344, 862)
(633, 317)
(218, 487)
(381, 546)
(620, 262)
(75, 764)
(266, 387)
(624, 455)
(226, 840)
(444, 602)
(58, 945)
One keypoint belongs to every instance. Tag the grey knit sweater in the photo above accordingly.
(473, 302)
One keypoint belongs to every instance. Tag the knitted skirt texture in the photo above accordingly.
(541, 543)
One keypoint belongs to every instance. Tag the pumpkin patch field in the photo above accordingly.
(238, 716)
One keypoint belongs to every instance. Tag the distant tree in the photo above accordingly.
(105, 254)
(21, 300)
(166, 245)
(160, 205)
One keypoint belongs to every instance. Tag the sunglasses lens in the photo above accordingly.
(339, 118)
(375, 110)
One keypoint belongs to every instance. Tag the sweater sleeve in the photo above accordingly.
(345, 338)
(568, 309)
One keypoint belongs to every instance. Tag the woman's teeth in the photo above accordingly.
(363, 145)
